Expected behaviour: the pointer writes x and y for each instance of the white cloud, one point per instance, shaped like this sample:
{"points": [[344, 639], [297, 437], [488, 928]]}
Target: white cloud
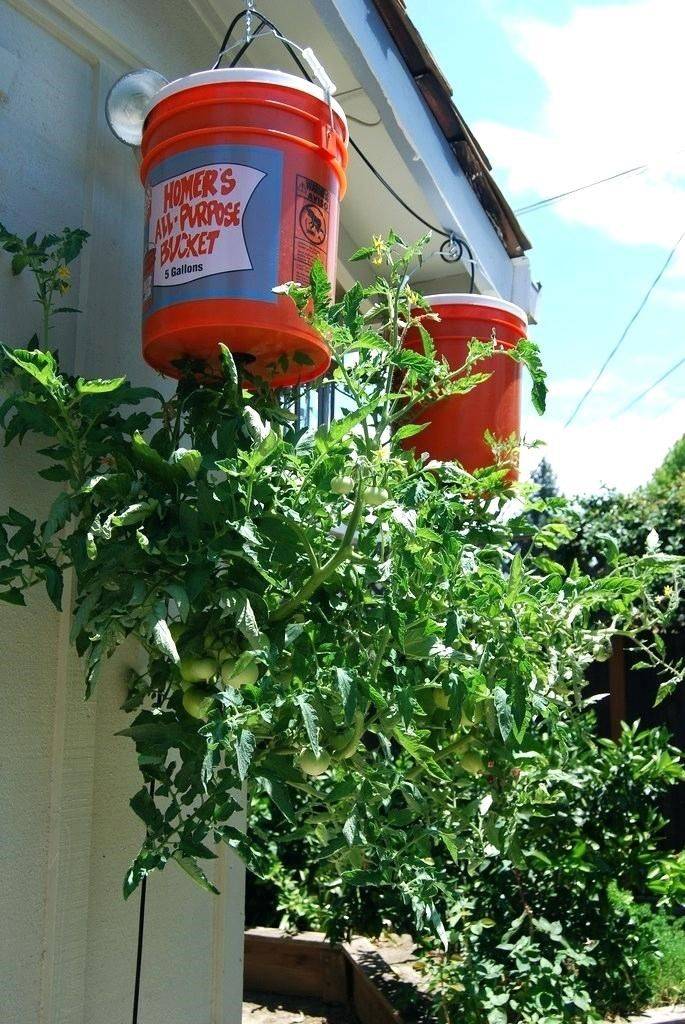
{"points": [[604, 449], [615, 80], [573, 387]]}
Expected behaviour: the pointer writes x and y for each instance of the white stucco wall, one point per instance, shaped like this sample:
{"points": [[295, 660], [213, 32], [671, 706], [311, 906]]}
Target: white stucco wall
{"points": [[68, 941]]}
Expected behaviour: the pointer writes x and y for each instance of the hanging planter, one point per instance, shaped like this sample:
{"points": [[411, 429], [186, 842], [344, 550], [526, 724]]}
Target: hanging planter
{"points": [[243, 170], [458, 424]]}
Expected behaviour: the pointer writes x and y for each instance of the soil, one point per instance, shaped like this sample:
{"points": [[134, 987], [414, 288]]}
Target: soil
{"points": [[264, 1008]]}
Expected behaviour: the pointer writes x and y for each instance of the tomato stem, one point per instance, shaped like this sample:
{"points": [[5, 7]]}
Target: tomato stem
{"points": [[319, 577]]}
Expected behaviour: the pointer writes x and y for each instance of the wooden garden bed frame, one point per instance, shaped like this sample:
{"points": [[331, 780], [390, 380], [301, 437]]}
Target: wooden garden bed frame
{"points": [[354, 974]]}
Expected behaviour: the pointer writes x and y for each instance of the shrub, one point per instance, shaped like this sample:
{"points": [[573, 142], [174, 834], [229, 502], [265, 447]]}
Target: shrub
{"points": [[551, 928], [671, 472], [564, 937]]}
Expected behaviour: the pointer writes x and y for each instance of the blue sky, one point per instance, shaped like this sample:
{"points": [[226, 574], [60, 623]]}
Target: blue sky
{"points": [[560, 93]]}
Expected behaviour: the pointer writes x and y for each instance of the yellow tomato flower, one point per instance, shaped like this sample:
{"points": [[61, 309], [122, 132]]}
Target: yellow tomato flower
{"points": [[377, 258], [63, 279]]}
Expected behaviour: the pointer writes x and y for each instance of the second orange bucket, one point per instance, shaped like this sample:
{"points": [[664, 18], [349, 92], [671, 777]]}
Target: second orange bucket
{"points": [[243, 171], [457, 425]]}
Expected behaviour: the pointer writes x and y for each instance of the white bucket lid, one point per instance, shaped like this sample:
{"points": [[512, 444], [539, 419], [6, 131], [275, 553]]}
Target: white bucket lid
{"points": [[492, 302], [265, 75]]}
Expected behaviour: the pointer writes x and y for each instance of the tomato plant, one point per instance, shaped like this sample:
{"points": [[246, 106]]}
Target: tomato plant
{"points": [[207, 527]]}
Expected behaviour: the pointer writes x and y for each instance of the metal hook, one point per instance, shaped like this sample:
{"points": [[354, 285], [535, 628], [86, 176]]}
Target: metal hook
{"points": [[453, 249]]}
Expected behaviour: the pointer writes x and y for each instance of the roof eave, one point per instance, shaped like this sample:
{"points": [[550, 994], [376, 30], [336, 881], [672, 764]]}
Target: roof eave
{"points": [[437, 94]]}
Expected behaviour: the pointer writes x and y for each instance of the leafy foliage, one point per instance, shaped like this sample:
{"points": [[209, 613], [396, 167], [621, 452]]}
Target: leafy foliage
{"points": [[650, 518], [557, 935], [665, 972], [355, 658], [550, 925]]}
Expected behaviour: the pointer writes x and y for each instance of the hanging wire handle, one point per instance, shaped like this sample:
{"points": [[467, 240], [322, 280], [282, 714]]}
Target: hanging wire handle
{"points": [[267, 28]]}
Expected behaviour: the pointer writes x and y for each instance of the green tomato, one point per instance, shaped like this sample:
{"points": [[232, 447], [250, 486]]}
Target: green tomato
{"points": [[373, 496], [310, 764], [197, 702], [245, 677], [345, 741], [342, 484], [339, 740], [463, 745], [226, 654], [197, 670], [351, 749], [472, 763], [441, 700]]}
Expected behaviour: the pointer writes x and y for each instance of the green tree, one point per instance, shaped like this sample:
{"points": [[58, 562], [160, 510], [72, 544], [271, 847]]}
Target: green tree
{"points": [[544, 477], [671, 472]]}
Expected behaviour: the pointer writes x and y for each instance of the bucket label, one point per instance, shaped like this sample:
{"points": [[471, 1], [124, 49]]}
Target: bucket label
{"points": [[212, 216], [312, 205]]}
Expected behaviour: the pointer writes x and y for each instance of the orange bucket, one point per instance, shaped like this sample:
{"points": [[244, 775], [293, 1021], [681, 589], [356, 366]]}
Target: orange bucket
{"points": [[243, 170], [457, 424]]}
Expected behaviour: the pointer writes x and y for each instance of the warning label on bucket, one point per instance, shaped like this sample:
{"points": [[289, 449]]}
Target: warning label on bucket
{"points": [[196, 223], [311, 227]]}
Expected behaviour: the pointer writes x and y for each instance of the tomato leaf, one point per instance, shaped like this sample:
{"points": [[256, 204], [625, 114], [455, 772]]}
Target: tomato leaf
{"points": [[311, 722], [244, 750], [191, 868]]}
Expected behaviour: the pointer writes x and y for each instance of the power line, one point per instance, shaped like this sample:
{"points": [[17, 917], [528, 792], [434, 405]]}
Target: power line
{"points": [[624, 334], [549, 200], [638, 398], [581, 188]]}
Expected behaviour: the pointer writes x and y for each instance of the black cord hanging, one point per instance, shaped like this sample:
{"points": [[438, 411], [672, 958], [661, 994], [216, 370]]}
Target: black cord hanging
{"points": [[141, 935], [453, 248]]}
